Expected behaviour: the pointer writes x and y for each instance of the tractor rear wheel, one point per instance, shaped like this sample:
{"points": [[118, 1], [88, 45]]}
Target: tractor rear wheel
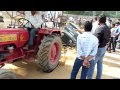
{"points": [[49, 52], [6, 74]]}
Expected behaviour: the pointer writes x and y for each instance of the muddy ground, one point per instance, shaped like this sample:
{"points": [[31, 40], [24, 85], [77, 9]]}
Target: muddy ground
{"points": [[24, 70]]}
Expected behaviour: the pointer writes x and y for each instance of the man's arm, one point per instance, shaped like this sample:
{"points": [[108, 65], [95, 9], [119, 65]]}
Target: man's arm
{"points": [[117, 31], [98, 32], [93, 52], [106, 36], [95, 48], [79, 50]]}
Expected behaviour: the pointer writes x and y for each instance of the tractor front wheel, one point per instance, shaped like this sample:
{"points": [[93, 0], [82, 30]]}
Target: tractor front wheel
{"points": [[49, 52], [6, 74]]}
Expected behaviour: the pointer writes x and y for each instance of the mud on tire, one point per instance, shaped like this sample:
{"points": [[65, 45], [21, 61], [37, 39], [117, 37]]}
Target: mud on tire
{"points": [[44, 52]]}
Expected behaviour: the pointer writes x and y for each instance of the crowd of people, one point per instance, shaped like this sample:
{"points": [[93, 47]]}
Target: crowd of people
{"points": [[52, 16], [101, 35], [114, 41]]}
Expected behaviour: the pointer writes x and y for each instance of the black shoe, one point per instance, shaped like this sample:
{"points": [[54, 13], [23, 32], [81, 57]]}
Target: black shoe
{"points": [[109, 51]]}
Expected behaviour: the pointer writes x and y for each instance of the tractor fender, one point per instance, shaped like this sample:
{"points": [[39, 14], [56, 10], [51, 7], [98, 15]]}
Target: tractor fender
{"points": [[49, 31]]}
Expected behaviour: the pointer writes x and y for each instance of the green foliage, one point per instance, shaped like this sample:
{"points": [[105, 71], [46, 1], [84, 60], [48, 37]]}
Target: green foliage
{"points": [[112, 14]]}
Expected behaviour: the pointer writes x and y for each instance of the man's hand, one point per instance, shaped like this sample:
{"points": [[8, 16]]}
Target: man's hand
{"points": [[86, 63], [32, 26], [82, 57]]}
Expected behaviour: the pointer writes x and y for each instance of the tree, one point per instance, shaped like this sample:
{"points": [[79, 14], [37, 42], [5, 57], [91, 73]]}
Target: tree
{"points": [[112, 14]]}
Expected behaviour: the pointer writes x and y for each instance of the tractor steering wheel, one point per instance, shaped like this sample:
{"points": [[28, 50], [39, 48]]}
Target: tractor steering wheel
{"points": [[23, 22]]}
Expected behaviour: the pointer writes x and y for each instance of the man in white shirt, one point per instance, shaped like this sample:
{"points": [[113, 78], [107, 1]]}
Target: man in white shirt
{"points": [[87, 45], [109, 22], [1, 20], [35, 19], [59, 21], [111, 42], [95, 25], [55, 18]]}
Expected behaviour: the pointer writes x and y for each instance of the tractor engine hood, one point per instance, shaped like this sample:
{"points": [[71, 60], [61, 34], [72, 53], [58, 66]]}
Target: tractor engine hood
{"points": [[16, 36], [10, 29]]}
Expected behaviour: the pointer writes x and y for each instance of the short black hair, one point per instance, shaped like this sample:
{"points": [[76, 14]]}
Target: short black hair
{"points": [[119, 19], [113, 24], [96, 17], [110, 20], [102, 18], [117, 23], [88, 26]]}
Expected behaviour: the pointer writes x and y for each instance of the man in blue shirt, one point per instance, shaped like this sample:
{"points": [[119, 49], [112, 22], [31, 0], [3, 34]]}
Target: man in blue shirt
{"points": [[117, 31], [87, 45]]}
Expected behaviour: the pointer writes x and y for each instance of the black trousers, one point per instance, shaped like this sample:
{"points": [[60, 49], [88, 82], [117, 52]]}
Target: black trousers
{"points": [[111, 44]]}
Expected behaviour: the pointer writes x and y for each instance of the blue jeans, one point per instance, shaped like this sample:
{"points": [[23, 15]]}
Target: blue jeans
{"points": [[99, 60], [77, 66], [32, 36]]}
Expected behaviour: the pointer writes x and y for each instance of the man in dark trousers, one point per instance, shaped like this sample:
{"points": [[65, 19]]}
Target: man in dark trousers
{"points": [[111, 44], [102, 32]]}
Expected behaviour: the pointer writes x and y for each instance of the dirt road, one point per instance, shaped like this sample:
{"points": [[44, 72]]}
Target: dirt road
{"points": [[111, 68]]}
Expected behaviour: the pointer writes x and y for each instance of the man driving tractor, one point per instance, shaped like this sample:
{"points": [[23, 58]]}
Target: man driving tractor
{"points": [[46, 47], [35, 19]]}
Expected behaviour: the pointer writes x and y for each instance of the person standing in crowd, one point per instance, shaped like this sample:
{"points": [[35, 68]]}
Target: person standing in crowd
{"points": [[118, 20], [118, 42], [117, 35], [102, 32], [71, 19], [109, 22], [117, 31], [59, 21], [87, 45], [1, 17], [1, 20], [55, 18], [95, 24], [79, 21], [91, 20], [113, 35]]}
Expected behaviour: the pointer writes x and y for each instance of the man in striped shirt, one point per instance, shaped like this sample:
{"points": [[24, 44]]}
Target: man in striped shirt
{"points": [[87, 45]]}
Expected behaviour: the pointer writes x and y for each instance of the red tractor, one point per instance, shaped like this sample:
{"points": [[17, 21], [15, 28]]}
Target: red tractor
{"points": [[47, 45]]}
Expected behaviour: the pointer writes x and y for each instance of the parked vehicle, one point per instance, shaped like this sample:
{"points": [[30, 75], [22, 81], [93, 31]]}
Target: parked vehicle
{"points": [[70, 33]]}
